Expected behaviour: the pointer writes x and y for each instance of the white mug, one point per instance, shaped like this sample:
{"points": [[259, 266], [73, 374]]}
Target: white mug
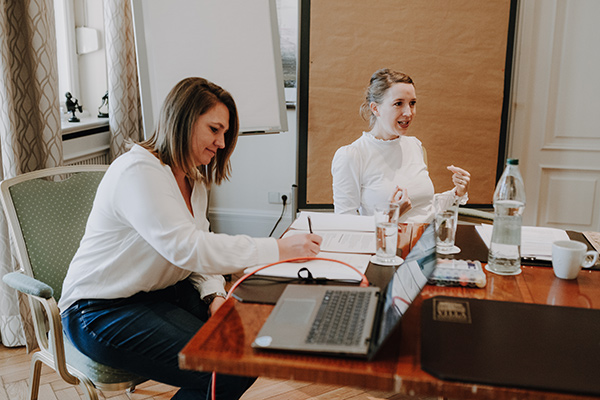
{"points": [[568, 256]]}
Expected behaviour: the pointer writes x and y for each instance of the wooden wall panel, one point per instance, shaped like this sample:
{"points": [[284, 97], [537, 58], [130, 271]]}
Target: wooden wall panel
{"points": [[455, 51]]}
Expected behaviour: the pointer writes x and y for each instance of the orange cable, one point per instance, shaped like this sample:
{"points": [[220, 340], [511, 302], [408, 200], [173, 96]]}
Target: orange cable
{"points": [[364, 282]]}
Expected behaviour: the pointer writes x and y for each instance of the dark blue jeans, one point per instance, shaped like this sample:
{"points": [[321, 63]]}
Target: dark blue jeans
{"points": [[144, 333]]}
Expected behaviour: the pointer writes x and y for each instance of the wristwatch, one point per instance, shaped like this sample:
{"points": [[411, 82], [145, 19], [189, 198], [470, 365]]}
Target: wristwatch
{"points": [[209, 298]]}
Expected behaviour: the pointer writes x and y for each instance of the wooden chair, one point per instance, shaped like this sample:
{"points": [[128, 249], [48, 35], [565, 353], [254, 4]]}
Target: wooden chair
{"points": [[47, 211]]}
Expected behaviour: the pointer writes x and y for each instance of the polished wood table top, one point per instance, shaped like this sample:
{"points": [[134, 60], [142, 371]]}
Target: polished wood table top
{"points": [[224, 343]]}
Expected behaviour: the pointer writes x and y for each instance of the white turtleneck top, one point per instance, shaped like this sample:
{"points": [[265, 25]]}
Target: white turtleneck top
{"points": [[366, 173]]}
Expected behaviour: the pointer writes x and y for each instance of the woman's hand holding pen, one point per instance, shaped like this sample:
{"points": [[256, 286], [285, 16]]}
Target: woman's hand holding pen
{"points": [[400, 196], [301, 245], [461, 179]]}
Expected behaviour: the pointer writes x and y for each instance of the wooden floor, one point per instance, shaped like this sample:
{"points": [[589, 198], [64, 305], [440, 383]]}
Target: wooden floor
{"points": [[14, 381]]}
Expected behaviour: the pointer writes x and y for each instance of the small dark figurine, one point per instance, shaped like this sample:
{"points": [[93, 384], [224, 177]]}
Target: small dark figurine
{"points": [[72, 106], [102, 114]]}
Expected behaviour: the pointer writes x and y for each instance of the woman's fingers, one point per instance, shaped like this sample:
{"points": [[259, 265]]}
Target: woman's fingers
{"points": [[400, 196], [458, 170], [461, 179], [301, 245]]}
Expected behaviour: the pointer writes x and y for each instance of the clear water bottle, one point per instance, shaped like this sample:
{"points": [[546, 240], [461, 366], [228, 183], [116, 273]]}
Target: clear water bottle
{"points": [[504, 257]]}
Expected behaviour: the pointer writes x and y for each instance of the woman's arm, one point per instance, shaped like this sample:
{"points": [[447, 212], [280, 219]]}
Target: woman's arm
{"points": [[147, 198], [345, 170], [207, 284]]}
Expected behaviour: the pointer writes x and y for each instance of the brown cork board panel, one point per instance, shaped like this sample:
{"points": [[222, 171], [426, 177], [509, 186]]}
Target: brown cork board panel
{"points": [[455, 51]]}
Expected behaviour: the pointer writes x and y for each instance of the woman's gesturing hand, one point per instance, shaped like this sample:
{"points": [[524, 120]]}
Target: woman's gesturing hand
{"points": [[461, 179], [301, 245], [400, 196]]}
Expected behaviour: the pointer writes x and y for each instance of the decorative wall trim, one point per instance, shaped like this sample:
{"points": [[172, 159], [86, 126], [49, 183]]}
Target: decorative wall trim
{"points": [[564, 130], [570, 197]]}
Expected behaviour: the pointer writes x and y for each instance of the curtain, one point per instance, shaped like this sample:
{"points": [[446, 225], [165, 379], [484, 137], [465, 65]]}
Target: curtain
{"points": [[125, 112], [30, 133]]}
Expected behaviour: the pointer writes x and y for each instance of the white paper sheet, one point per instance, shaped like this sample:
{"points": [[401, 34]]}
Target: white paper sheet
{"points": [[322, 221], [343, 241], [536, 242], [321, 268]]}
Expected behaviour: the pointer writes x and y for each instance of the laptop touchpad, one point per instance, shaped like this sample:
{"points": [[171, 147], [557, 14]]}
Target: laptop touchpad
{"points": [[295, 311]]}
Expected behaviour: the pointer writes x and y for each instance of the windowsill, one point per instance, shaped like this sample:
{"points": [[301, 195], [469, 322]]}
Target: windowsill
{"points": [[85, 141], [86, 125], [290, 97]]}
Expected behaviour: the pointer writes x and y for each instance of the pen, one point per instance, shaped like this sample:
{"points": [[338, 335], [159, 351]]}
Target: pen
{"points": [[309, 224]]}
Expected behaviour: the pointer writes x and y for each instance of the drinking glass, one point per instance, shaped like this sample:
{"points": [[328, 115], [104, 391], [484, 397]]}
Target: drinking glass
{"points": [[386, 232], [445, 207]]}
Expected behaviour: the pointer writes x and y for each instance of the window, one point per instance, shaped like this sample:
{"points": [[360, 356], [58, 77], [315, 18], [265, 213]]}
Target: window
{"points": [[81, 59]]}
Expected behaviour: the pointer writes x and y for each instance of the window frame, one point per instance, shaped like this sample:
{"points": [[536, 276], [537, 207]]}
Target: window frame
{"points": [[66, 48]]}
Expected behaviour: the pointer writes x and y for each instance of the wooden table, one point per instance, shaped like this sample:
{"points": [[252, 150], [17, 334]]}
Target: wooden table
{"points": [[223, 344]]}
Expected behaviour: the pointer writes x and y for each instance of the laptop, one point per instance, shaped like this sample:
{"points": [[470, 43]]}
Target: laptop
{"points": [[347, 320], [533, 346]]}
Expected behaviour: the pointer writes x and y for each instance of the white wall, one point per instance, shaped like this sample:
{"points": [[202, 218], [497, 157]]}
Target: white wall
{"points": [[267, 163], [554, 120], [260, 164]]}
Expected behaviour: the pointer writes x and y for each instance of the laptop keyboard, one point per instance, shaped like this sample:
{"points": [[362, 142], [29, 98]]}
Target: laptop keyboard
{"points": [[341, 318]]}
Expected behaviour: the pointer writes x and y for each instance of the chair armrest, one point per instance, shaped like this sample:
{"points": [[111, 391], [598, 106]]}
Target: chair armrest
{"points": [[48, 326], [28, 285], [474, 215]]}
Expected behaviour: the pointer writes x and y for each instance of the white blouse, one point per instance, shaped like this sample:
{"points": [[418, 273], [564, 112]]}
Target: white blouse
{"points": [[141, 236]]}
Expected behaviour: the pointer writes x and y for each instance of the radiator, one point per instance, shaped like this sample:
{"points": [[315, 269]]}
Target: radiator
{"points": [[90, 159], [86, 150]]}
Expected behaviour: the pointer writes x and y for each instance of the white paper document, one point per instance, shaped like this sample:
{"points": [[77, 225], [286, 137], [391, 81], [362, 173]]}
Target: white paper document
{"points": [[321, 268], [536, 242], [343, 241], [325, 221]]}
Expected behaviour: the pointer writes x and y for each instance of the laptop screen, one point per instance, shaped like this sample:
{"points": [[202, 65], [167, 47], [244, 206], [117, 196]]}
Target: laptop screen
{"points": [[407, 282]]}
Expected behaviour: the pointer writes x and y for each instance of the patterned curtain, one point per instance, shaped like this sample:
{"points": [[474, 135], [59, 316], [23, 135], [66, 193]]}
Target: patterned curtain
{"points": [[30, 134], [125, 112]]}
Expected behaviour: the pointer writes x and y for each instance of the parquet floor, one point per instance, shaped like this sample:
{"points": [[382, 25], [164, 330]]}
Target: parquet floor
{"points": [[14, 381]]}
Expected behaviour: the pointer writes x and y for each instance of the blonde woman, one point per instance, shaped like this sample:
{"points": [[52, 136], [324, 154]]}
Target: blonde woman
{"points": [[385, 164]]}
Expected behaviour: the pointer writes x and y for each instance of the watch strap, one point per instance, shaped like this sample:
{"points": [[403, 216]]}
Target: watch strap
{"points": [[209, 298]]}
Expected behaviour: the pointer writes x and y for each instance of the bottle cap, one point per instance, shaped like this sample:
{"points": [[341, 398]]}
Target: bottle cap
{"points": [[512, 161]]}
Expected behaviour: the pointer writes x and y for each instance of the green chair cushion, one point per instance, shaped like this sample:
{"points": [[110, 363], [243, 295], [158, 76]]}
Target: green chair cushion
{"points": [[52, 216], [95, 371]]}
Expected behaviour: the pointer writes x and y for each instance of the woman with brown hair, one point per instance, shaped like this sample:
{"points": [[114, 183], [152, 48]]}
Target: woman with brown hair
{"points": [[148, 273]]}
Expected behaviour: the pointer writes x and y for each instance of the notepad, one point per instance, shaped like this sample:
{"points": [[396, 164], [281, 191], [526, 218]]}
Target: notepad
{"points": [[322, 221], [342, 241], [536, 242], [321, 268]]}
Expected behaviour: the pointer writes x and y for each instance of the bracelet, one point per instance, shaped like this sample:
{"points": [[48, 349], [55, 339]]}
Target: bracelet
{"points": [[209, 298]]}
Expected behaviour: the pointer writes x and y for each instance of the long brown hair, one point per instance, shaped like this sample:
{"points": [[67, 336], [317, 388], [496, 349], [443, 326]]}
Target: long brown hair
{"points": [[380, 82], [172, 138]]}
